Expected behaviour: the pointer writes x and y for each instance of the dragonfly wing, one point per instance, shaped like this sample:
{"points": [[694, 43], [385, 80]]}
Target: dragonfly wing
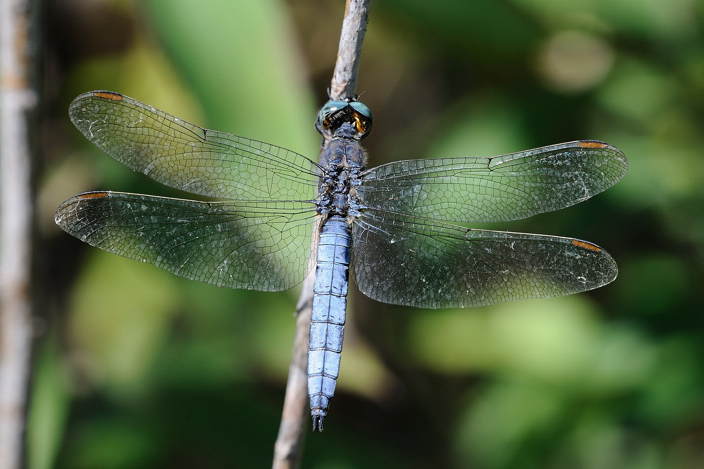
{"points": [[187, 157], [404, 260], [256, 246], [500, 188]]}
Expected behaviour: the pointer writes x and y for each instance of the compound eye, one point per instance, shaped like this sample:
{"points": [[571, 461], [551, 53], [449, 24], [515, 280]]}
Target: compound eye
{"points": [[329, 108], [362, 109]]}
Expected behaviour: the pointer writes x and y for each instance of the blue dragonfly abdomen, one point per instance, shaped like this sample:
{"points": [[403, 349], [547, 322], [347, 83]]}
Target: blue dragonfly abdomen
{"points": [[328, 315]]}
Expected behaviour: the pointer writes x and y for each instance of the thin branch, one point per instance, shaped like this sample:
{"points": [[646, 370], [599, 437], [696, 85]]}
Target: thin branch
{"points": [[288, 449], [354, 26], [16, 208], [289, 443]]}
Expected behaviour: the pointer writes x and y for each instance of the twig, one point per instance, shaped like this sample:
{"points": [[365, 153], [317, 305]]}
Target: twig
{"points": [[16, 206], [289, 443], [354, 26]]}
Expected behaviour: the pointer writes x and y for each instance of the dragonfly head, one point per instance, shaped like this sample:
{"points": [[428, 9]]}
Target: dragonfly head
{"points": [[336, 113]]}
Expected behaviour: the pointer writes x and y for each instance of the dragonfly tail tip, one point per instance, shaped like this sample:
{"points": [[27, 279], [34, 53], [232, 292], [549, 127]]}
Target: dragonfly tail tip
{"points": [[318, 423]]}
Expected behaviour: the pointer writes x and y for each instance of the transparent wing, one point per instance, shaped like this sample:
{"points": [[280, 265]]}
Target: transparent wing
{"points": [[256, 246], [500, 188], [417, 262], [187, 157]]}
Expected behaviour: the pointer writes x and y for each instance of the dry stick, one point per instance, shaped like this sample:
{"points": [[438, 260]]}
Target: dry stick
{"points": [[289, 443], [16, 100], [344, 79]]}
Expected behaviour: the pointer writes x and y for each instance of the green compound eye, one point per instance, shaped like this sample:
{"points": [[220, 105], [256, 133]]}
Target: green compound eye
{"points": [[362, 109], [329, 108]]}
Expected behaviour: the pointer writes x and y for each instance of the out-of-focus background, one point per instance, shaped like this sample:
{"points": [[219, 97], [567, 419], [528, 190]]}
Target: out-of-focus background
{"points": [[137, 368]]}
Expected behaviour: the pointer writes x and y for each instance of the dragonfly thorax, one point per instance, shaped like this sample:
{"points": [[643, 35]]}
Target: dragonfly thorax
{"points": [[337, 192], [342, 161]]}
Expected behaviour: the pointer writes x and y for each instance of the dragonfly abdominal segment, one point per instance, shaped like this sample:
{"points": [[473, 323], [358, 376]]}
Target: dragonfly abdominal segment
{"points": [[388, 228]]}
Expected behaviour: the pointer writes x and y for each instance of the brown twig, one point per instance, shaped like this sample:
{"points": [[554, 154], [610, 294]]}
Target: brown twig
{"points": [[354, 26], [16, 208], [289, 443]]}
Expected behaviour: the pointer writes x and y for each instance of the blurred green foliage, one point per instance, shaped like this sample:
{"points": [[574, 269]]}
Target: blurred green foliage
{"points": [[141, 369]]}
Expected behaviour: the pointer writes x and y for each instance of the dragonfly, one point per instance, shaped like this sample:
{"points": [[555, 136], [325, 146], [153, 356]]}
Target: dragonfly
{"points": [[274, 216]]}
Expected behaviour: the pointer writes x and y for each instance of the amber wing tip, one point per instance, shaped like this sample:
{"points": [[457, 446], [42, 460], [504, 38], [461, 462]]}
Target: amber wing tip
{"points": [[586, 245], [593, 144], [111, 95], [92, 195]]}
